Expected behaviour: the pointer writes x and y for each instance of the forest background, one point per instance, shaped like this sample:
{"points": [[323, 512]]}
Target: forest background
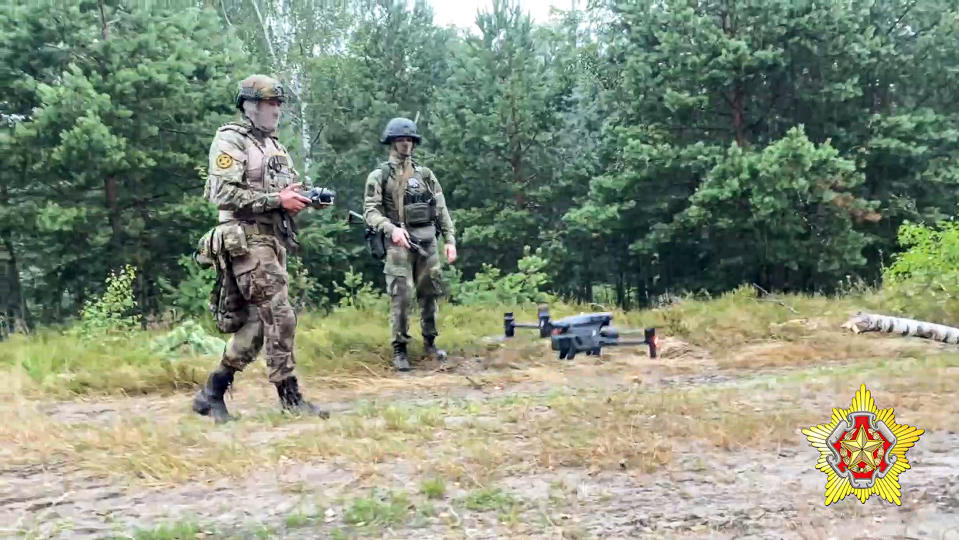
{"points": [[621, 154]]}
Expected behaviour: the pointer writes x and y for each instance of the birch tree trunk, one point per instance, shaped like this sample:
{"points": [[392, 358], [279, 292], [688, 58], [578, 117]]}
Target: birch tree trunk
{"points": [[290, 70], [868, 322]]}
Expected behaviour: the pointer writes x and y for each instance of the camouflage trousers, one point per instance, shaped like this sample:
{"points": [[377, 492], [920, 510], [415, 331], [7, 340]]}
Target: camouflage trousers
{"points": [[407, 271], [271, 322]]}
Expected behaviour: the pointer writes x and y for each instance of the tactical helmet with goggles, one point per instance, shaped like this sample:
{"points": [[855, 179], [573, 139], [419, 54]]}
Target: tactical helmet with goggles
{"points": [[259, 87]]}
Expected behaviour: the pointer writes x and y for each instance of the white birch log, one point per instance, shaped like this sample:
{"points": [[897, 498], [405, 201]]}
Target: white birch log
{"points": [[868, 322]]}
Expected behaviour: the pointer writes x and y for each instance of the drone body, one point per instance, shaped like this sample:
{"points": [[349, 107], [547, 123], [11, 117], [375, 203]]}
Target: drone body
{"points": [[587, 333]]}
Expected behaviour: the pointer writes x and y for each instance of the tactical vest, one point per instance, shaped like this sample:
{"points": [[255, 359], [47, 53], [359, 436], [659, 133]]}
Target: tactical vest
{"points": [[268, 170], [417, 206]]}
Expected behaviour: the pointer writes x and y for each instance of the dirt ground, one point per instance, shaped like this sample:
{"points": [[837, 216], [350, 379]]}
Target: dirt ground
{"points": [[765, 486]]}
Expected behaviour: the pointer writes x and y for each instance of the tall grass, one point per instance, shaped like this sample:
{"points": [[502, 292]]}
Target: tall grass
{"points": [[349, 341], [356, 341]]}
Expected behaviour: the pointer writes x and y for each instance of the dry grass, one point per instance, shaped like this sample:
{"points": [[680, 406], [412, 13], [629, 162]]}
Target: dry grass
{"points": [[635, 428], [344, 350], [520, 413], [349, 349], [742, 316], [821, 348]]}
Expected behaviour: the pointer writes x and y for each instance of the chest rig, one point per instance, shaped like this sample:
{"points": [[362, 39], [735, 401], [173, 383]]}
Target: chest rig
{"points": [[267, 166], [415, 206], [268, 170]]}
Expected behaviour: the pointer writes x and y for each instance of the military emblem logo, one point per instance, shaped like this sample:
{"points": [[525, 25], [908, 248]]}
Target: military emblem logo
{"points": [[414, 183], [862, 451], [224, 161]]}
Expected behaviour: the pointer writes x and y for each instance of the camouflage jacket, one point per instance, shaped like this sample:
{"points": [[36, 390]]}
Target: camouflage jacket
{"points": [[383, 201], [246, 174]]}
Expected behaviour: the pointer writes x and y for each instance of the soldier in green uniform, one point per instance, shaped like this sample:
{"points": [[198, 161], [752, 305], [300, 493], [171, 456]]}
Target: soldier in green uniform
{"points": [[404, 200], [254, 186]]}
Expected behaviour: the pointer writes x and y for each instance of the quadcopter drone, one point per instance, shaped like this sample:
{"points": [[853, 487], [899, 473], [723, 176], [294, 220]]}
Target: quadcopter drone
{"points": [[588, 332]]}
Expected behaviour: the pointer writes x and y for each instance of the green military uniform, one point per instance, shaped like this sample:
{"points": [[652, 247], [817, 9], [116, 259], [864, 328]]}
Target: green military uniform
{"points": [[247, 170], [403, 193], [245, 176]]}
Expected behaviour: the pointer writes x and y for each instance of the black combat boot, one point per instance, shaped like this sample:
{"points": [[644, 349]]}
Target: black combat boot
{"points": [[292, 400], [209, 400], [399, 357], [430, 349]]}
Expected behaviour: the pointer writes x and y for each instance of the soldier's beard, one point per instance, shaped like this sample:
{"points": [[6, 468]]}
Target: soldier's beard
{"points": [[264, 119]]}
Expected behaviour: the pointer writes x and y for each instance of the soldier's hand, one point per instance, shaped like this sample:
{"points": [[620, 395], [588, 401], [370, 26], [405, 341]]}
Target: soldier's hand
{"points": [[292, 201], [401, 237], [450, 253]]}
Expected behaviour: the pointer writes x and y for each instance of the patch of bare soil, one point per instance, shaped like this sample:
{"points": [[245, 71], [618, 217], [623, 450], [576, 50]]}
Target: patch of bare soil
{"points": [[703, 492]]}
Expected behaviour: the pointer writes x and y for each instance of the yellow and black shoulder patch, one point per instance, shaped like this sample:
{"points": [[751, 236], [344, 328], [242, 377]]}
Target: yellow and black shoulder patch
{"points": [[224, 160]]}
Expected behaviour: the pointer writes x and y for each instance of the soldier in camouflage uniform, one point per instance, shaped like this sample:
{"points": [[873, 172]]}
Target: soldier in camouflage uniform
{"points": [[254, 186], [403, 199]]}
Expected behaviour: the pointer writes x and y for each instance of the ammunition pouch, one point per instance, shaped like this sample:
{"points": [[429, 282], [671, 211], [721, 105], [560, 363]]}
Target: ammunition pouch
{"points": [[234, 239], [419, 213], [419, 209]]}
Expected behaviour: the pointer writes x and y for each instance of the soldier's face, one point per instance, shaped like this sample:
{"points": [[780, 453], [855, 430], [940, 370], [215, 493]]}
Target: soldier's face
{"points": [[270, 113], [264, 114], [403, 146]]}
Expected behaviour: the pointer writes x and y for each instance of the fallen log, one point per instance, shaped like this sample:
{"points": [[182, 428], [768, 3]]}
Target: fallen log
{"points": [[869, 322]]}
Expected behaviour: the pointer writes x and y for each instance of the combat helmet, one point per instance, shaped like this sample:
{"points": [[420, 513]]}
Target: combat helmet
{"points": [[257, 87], [400, 127]]}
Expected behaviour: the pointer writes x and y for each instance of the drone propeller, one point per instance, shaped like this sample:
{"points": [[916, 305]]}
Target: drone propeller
{"points": [[544, 325]]}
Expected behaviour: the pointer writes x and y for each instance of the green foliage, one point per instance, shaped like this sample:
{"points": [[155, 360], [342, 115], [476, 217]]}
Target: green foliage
{"points": [[491, 499], [302, 286], [497, 124], [188, 338], [646, 147], [434, 488], [185, 530], [378, 509], [113, 312], [191, 295], [108, 125], [923, 280], [784, 216], [358, 293], [490, 286]]}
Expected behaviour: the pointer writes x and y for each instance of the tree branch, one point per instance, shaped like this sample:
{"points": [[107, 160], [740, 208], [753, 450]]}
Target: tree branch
{"points": [[103, 21], [266, 32], [904, 13], [225, 16]]}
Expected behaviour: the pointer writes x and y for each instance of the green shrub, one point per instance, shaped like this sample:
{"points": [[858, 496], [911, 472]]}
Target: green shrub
{"points": [[923, 280], [490, 287], [114, 312]]}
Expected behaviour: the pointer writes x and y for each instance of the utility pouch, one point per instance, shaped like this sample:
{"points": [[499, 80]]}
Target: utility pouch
{"points": [[226, 302], [419, 213], [376, 242], [206, 252], [234, 239]]}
